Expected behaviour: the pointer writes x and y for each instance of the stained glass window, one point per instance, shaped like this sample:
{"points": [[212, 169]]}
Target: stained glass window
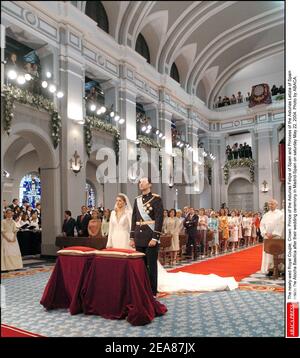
{"points": [[30, 189], [90, 195]]}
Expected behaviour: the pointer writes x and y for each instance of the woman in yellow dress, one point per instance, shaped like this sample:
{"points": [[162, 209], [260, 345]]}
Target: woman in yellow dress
{"points": [[11, 258], [224, 227]]}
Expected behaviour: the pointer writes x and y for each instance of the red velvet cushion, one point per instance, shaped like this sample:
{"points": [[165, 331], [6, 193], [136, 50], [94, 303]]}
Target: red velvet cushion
{"points": [[127, 251], [120, 253], [77, 250], [80, 248]]}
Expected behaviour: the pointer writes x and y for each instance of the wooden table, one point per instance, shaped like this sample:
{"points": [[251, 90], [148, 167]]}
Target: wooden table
{"points": [[66, 241]]}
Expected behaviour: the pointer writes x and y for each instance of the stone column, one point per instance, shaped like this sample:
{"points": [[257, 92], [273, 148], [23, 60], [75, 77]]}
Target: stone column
{"points": [[152, 112], [264, 161], [72, 78], [111, 99], [256, 187], [196, 186], [168, 192], [128, 163], [217, 172], [276, 184]]}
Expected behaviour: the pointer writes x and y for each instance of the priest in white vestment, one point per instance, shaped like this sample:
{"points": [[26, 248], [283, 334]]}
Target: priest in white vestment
{"points": [[271, 227]]}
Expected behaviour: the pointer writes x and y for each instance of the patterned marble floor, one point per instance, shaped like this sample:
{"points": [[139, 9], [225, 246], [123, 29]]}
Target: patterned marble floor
{"points": [[218, 314]]}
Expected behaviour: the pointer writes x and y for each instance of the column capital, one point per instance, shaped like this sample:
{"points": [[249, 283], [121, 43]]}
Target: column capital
{"points": [[111, 83]]}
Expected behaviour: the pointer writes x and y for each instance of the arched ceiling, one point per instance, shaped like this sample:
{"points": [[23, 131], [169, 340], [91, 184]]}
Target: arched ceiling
{"points": [[210, 41]]}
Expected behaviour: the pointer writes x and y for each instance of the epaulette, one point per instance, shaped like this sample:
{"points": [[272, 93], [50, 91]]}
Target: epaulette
{"points": [[156, 195], [139, 196]]}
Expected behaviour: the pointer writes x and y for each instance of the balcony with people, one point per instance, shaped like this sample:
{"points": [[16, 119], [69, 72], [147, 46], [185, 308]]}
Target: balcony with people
{"points": [[277, 93]]}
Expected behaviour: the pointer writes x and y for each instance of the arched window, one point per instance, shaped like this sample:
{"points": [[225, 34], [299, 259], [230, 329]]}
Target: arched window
{"points": [[90, 195], [95, 10], [142, 48], [30, 189], [174, 73]]}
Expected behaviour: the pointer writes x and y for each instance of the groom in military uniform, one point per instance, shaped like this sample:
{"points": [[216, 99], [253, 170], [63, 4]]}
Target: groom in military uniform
{"points": [[146, 226]]}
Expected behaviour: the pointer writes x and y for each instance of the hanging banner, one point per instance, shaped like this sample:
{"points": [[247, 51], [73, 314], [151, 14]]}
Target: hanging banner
{"points": [[260, 95]]}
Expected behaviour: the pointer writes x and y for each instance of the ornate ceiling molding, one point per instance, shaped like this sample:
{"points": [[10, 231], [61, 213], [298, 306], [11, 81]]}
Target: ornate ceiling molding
{"points": [[240, 63], [228, 39]]}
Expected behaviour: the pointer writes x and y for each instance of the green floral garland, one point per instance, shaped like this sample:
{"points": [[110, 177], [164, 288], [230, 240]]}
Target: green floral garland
{"points": [[98, 124], [208, 165], [12, 94], [87, 129], [236, 163], [148, 141]]}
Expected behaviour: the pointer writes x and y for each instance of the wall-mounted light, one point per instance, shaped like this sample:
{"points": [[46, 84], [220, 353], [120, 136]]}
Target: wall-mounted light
{"points": [[5, 174], [75, 163], [264, 187]]}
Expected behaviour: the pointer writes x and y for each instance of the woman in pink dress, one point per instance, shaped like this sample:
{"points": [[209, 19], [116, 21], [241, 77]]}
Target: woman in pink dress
{"points": [[94, 226]]}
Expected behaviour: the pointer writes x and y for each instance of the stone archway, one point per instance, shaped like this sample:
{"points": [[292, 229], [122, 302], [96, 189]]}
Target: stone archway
{"points": [[240, 194], [28, 138]]}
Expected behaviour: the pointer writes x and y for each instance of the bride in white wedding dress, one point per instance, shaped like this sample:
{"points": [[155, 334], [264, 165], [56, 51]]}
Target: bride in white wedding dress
{"points": [[120, 223], [118, 237]]}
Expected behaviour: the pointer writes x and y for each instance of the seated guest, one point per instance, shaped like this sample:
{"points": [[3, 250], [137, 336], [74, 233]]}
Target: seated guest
{"points": [[105, 222], [239, 97], [34, 221], [82, 222], [233, 99], [94, 225], [10, 251], [69, 224]]}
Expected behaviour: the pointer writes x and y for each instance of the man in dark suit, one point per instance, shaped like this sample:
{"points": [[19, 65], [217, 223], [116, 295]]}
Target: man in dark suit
{"points": [[146, 227], [14, 205], [190, 223], [82, 222], [69, 224]]}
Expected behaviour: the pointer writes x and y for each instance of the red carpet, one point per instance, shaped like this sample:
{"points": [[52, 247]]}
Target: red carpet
{"points": [[8, 331], [239, 265]]}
